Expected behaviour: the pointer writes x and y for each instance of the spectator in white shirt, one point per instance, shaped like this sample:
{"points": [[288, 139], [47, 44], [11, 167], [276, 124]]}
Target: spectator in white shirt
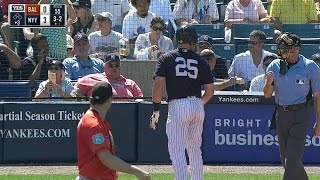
{"points": [[118, 8], [248, 65], [137, 21], [151, 45], [195, 11], [105, 40], [258, 82]]}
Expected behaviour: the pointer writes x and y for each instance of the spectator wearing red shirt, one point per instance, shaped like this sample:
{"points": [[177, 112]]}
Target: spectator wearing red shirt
{"points": [[123, 88], [96, 149]]}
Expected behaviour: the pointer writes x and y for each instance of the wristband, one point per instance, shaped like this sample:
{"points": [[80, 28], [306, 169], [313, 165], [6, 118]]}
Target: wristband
{"points": [[156, 106]]}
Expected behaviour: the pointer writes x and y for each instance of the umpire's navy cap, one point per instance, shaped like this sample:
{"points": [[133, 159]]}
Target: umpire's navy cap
{"points": [[101, 92]]}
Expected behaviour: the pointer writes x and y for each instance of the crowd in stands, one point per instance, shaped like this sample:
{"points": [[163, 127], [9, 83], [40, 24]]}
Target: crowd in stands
{"points": [[87, 50]]}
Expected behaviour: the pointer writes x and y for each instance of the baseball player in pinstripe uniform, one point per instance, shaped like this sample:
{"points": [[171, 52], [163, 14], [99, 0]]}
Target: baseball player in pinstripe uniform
{"points": [[184, 72]]}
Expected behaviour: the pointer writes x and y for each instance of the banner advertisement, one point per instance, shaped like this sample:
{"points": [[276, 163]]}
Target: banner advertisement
{"points": [[152, 144], [40, 132], [235, 133], [46, 132]]}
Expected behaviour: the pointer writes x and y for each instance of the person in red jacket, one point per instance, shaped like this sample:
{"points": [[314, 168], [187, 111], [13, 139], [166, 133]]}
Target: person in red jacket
{"points": [[96, 149]]}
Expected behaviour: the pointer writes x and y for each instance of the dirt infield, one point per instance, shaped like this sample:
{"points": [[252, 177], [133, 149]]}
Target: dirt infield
{"points": [[4, 170]]}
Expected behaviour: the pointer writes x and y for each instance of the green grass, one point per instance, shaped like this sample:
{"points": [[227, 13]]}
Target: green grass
{"points": [[208, 176]]}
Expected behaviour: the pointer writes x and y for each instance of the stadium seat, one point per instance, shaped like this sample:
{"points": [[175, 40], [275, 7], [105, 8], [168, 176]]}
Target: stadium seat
{"points": [[241, 48], [117, 28], [309, 33], [226, 51], [307, 50], [15, 89], [271, 48], [240, 32], [216, 31], [268, 47]]}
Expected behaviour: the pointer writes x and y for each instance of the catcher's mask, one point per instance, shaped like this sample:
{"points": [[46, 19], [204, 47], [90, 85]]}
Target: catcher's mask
{"points": [[285, 43]]}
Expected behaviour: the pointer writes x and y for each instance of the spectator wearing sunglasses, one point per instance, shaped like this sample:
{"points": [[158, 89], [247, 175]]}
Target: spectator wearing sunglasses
{"points": [[124, 89], [56, 85], [81, 64], [258, 82], [248, 65], [151, 45]]}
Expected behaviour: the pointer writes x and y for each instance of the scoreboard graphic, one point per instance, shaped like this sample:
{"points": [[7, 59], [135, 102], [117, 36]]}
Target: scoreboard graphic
{"points": [[37, 15]]}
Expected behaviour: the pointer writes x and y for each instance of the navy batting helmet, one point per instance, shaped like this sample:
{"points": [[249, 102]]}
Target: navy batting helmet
{"points": [[186, 34]]}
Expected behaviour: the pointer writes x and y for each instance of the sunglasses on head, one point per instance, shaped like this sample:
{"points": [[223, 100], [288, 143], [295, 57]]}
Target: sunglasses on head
{"points": [[157, 28], [54, 68], [114, 66]]}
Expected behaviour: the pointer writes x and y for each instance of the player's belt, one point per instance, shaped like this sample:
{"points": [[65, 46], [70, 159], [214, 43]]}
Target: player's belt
{"points": [[293, 107]]}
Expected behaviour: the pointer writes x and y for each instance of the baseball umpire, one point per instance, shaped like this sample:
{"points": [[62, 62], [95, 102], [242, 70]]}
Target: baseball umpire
{"points": [[184, 72], [291, 78], [96, 149]]}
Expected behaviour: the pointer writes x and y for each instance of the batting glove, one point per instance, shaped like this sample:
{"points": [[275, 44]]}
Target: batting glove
{"points": [[154, 119]]}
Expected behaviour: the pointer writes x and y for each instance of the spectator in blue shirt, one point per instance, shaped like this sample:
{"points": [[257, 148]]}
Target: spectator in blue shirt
{"points": [[82, 65], [56, 85]]}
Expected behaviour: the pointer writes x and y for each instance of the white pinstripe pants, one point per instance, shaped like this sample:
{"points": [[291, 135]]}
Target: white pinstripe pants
{"points": [[184, 130]]}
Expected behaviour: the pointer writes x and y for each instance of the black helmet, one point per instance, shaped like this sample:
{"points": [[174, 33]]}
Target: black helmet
{"points": [[186, 34], [288, 39], [285, 42]]}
